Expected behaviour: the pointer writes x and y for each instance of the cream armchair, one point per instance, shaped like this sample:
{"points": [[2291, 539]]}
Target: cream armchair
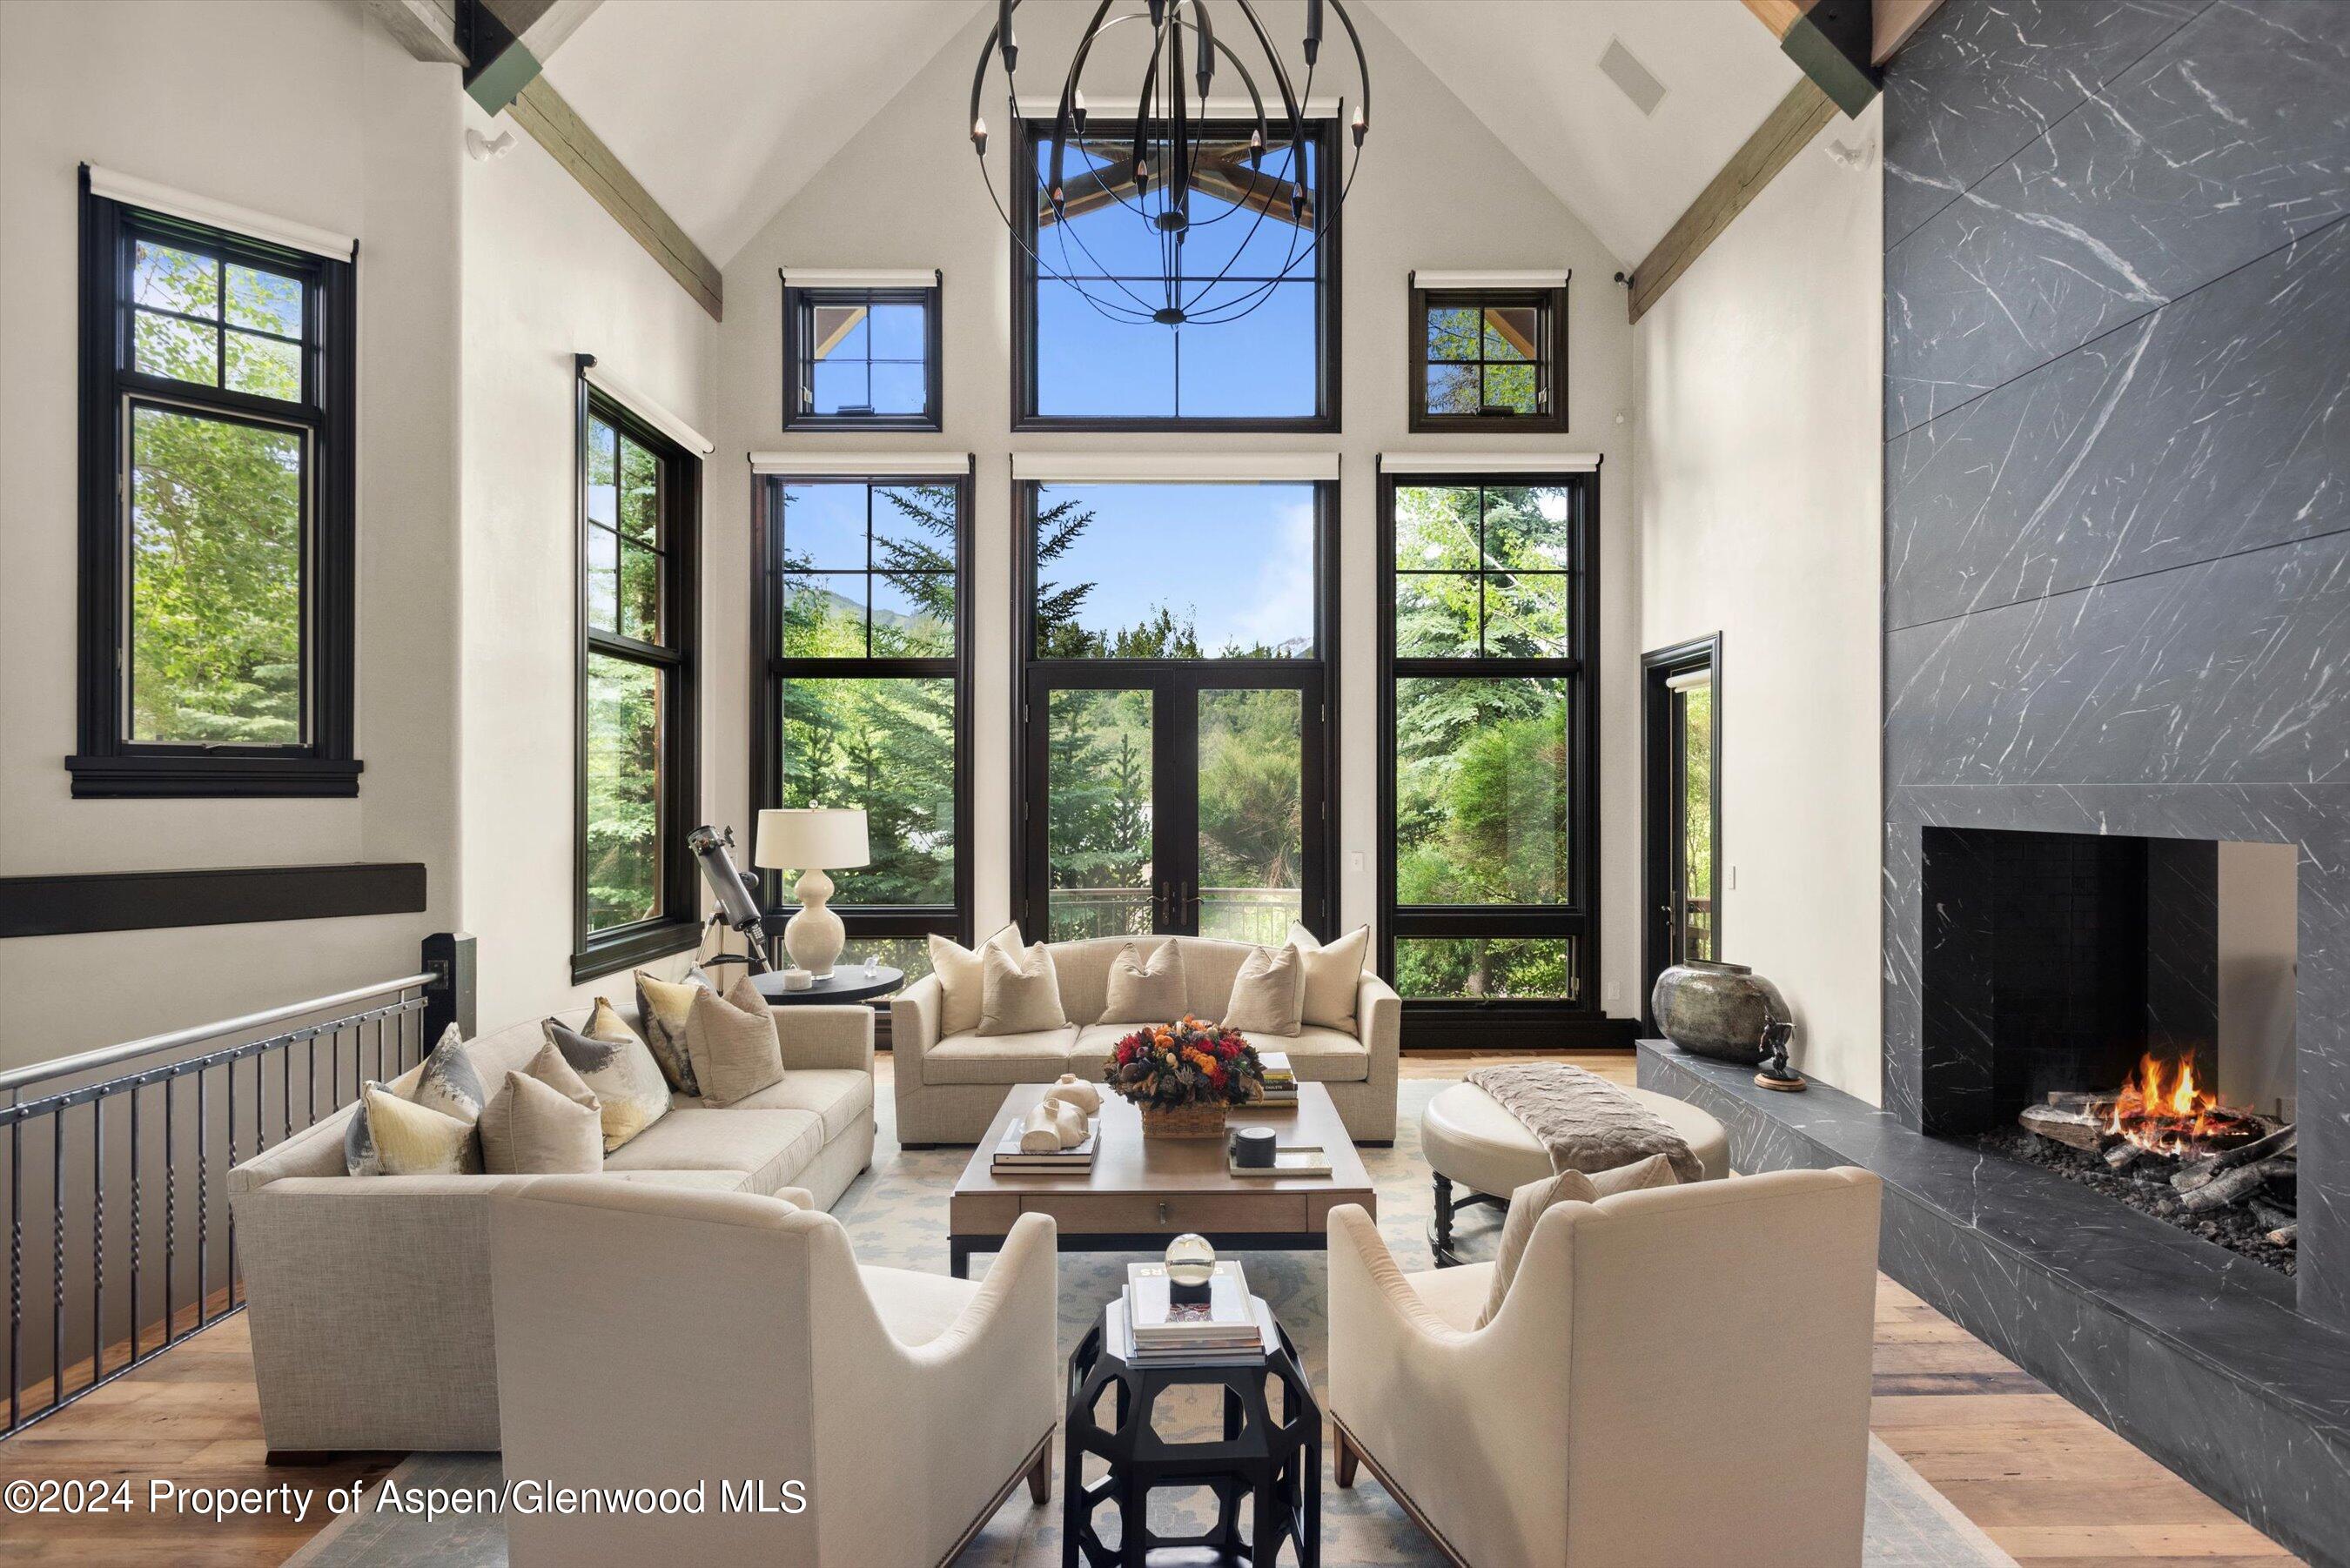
{"points": [[1679, 1378], [656, 1338]]}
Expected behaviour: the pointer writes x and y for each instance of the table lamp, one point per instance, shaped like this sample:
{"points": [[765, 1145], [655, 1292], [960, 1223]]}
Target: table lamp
{"points": [[813, 841]]}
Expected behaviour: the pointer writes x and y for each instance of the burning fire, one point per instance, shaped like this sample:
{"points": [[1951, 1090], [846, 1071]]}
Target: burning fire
{"points": [[2162, 1109]]}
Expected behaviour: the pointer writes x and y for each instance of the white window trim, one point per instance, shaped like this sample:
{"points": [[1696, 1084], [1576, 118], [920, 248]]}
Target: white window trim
{"points": [[864, 464], [861, 277], [132, 192], [1531, 461], [1173, 467], [644, 407], [1427, 279]]}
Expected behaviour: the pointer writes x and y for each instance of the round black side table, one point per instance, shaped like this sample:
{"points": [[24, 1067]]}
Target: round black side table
{"points": [[847, 984], [1276, 1461]]}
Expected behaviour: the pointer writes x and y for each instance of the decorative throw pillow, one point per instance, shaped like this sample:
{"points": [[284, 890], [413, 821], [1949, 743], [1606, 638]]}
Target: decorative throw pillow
{"points": [[1143, 992], [1267, 993], [621, 1074], [543, 1121], [360, 1156], [1020, 992], [664, 1004], [449, 1082], [961, 979], [415, 1140], [735, 1049], [1332, 975], [1528, 1204]]}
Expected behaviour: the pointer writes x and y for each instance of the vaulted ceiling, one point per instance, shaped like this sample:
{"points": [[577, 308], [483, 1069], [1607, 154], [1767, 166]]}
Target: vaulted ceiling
{"points": [[723, 109]]}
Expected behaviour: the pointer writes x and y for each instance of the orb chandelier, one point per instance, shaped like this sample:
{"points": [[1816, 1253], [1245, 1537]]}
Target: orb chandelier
{"points": [[1198, 194]]}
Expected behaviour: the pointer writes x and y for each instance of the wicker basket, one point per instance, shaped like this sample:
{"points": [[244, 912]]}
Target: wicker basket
{"points": [[1202, 1120]]}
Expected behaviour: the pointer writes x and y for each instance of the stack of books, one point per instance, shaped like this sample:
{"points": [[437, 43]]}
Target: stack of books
{"points": [[1280, 1079], [1147, 1327], [1009, 1156]]}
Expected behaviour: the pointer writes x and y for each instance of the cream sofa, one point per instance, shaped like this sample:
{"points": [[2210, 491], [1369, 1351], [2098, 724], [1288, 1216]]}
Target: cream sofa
{"points": [[1678, 1378], [749, 1342], [950, 1090], [369, 1297]]}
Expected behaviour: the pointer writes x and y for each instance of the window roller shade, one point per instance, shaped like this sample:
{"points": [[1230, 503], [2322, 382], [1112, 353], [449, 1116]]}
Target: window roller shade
{"points": [[146, 195]]}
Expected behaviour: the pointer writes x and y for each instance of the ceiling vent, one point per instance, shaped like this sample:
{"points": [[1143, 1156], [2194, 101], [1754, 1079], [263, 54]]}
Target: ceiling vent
{"points": [[1643, 88]]}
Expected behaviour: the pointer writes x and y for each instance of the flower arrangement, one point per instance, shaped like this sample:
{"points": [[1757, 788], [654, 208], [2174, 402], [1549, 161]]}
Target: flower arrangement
{"points": [[1185, 1075]]}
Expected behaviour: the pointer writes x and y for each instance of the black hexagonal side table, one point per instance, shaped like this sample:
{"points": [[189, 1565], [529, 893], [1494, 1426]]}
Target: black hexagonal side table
{"points": [[1276, 1461]]}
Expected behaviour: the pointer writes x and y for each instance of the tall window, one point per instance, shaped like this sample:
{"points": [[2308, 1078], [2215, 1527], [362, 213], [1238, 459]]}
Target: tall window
{"points": [[866, 691], [864, 357], [1174, 769], [639, 525], [218, 384], [1488, 359], [1078, 367], [1489, 732]]}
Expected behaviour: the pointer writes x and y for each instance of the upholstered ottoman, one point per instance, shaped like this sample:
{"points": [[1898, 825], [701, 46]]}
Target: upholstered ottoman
{"points": [[1468, 1139]]}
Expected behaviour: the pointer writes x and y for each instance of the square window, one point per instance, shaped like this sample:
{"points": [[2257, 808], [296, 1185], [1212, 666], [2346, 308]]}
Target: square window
{"points": [[1489, 358], [1256, 347], [861, 357]]}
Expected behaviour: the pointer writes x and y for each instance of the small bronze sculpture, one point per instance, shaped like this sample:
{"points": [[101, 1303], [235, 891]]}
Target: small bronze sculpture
{"points": [[1773, 1073]]}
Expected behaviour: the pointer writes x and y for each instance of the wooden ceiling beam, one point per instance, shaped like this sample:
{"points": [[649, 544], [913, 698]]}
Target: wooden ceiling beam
{"points": [[1788, 129], [427, 29], [510, 42], [553, 125]]}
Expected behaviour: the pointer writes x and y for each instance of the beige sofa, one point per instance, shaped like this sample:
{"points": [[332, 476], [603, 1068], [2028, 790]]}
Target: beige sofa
{"points": [[369, 1297], [950, 1090], [750, 1343], [1678, 1378]]}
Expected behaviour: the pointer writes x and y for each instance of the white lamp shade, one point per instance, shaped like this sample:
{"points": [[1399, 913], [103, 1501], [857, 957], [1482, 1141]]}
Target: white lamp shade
{"points": [[826, 838]]}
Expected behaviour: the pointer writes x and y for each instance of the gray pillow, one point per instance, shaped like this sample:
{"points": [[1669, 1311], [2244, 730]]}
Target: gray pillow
{"points": [[1142, 992], [449, 1081], [622, 1075], [664, 1006], [1020, 992], [736, 1051], [360, 1156], [1269, 992]]}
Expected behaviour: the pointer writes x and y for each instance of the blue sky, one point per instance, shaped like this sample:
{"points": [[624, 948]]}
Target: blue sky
{"points": [[1237, 558]]}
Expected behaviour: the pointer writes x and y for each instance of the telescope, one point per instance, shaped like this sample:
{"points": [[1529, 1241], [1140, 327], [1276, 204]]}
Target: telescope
{"points": [[737, 893]]}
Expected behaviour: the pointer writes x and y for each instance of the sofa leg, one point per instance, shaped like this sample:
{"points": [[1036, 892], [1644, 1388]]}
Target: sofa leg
{"points": [[1040, 1477], [1343, 1458], [1440, 1235]]}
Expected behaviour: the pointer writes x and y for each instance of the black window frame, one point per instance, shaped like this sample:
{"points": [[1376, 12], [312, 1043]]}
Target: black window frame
{"points": [[1322, 131], [677, 924], [1511, 1023], [771, 669], [1551, 373], [106, 763], [1317, 679], [799, 305]]}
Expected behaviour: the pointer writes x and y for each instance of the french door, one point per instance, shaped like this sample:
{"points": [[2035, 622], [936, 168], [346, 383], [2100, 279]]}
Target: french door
{"points": [[1174, 799], [1681, 816]]}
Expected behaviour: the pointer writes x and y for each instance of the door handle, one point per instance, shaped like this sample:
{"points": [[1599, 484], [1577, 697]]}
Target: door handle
{"points": [[1163, 1219]]}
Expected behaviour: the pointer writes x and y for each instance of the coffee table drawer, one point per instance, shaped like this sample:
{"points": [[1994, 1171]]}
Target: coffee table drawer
{"points": [[1121, 1213]]}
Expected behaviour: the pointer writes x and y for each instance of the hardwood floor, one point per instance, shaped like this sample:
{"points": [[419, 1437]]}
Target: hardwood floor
{"points": [[2045, 1481]]}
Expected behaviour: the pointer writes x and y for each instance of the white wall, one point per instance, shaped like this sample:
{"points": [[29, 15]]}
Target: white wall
{"points": [[300, 110], [1757, 495], [1436, 190], [548, 276]]}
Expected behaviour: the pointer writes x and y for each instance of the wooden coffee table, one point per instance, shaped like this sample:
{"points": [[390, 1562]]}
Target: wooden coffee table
{"points": [[1142, 1193]]}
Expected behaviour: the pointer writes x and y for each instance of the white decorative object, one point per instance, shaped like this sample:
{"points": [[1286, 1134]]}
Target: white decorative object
{"points": [[1037, 1133], [813, 841], [796, 979], [1075, 1091]]}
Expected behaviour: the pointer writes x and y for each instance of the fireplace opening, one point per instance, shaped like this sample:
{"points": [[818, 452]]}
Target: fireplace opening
{"points": [[2119, 1010]]}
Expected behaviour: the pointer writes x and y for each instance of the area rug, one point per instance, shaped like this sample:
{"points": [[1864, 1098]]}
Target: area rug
{"points": [[896, 1214]]}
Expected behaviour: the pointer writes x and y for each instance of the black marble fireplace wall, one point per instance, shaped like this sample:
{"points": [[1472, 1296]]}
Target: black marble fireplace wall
{"points": [[2056, 961], [2117, 475]]}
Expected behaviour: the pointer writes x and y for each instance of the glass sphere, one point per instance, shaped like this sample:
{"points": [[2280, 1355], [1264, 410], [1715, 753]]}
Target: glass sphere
{"points": [[1190, 1259]]}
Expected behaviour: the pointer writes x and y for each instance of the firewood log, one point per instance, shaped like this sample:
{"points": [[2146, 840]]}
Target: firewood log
{"points": [[2285, 1235], [2231, 1186], [2194, 1173], [2074, 1129]]}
